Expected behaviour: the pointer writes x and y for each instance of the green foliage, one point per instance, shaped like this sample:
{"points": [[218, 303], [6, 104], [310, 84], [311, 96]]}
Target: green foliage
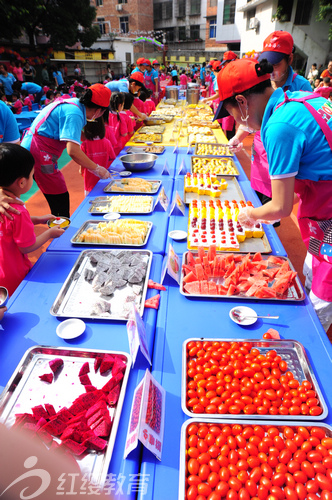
{"points": [[325, 14], [66, 22]]}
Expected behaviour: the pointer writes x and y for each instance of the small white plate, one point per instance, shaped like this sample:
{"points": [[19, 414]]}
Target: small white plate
{"points": [[245, 311], [125, 173], [177, 234], [149, 143], [112, 216], [70, 328]]}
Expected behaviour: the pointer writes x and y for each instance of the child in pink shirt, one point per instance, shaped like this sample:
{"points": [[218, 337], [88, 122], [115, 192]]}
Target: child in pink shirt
{"points": [[149, 105], [26, 99], [183, 80], [325, 89], [16, 104], [116, 122], [17, 235], [98, 149]]}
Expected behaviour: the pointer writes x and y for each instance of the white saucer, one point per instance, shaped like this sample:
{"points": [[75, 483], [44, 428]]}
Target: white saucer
{"points": [[177, 234], [125, 173], [149, 143], [111, 216], [244, 310], [70, 328]]}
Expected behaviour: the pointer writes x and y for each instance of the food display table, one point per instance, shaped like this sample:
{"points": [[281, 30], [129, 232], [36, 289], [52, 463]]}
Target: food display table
{"points": [[156, 171], [182, 318], [28, 323], [159, 218]]}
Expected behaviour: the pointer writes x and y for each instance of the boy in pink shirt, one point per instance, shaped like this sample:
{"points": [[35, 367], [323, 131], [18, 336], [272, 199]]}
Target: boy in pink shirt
{"points": [[26, 99], [17, 235], [16, 104], [325, 89]]}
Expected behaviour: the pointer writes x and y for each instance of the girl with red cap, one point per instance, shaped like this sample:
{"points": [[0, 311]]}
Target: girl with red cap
{"points": [[58, 126]]}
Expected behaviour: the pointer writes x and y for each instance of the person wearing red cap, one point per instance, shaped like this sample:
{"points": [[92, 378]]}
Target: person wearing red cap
{"points": [[278, 51], [296, 132], [151, 81], [132, 85], [141, 65], [58, 126]]}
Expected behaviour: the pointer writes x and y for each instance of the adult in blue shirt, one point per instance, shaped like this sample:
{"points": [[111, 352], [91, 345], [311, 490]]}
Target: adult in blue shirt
{"points": [[141, 65], [57, 75], [202, 74], [7, 80], [174, 75], [58, 126], [132, 86], [296, 130], [151, 81], [31, 88]]}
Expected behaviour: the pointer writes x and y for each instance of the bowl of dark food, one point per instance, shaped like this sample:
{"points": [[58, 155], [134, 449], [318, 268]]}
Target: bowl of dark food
{"points": [[138, 162], [3, 296]]}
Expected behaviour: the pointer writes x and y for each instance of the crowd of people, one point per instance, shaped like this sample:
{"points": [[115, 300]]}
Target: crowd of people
{"points": [[94, 122]]}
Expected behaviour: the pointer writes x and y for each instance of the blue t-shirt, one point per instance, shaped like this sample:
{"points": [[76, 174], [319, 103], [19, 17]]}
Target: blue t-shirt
{"points": [[215, 85], [118, 86], [135, 70], [174, 72], [298, 83], [58, 76], [153, 73], [31, 87], [8, 126], [64, 123], [7, 82], [294, 143], [202, 73]]}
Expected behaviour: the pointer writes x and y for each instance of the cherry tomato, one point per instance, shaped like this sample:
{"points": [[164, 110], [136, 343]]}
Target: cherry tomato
{"points": [[234, 483], [232, 495], [213, 479], [194, 480], [312, 486], [193, 466], [326, 495], [203, 458], [224, 474], [290, 493], [251, 487], [308, 469], [244, 494], [314, 456], [277, 492], [324, 482], [300, 477], [262, 492], [204, 489], [301, 491], [222, 488], [192, 493], [318, 432], [256, 474]]}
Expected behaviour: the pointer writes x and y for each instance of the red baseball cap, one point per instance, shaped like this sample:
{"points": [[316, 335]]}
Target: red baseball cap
{"points": [[156, 62], [276, 46], [215, 65], [140, 61], [147, 62], [138, 77], [101, 95], [229, 56], [238, 76]]}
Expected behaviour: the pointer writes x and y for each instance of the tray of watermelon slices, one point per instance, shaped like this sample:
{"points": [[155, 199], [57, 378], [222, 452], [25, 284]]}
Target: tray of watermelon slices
{"points": [[243, 276], [71, 400]]}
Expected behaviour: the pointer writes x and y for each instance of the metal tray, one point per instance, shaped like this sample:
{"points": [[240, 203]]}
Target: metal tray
{"points": [[77, 297], [103, 205], [295, 292], [139, 138], [233, 192], [291, 351], [219, 144], [141, 149], [216, 158], [183, 441], [25, 390], [155, 187], [94, 223], [148, 129]]}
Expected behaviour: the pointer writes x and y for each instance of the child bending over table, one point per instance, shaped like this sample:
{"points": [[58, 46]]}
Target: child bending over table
{"points": [[17, 235]]}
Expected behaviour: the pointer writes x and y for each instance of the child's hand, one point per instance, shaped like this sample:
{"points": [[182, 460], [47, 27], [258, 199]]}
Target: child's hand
{"points": [[55, 232]]}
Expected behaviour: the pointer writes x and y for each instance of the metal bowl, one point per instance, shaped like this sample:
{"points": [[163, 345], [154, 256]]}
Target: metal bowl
{"points": [[138, 162]]}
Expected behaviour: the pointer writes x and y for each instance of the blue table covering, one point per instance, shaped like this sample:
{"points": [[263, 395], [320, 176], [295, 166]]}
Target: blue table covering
{"points": [[159, 218], [181, 222], [182, 318], [28, 323]]}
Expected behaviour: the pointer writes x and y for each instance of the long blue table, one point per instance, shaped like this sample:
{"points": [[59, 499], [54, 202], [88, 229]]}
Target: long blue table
{"points": [[156, 170], [181, 222], [159, 218], [182, 318], [28, 323]]}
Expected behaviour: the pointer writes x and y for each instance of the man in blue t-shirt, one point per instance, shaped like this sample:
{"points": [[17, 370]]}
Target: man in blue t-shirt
{"points": [[30, 88], [202, 74], [8, 126], [7, 80]]}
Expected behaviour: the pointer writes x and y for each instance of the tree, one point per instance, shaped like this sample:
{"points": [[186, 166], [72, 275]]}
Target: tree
{"points": [[65, 22], [325, 14]]}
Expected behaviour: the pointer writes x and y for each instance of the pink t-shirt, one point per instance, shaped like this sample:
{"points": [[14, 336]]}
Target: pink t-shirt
{"points": [[183, 80], [18, 107], [323, 91], [28, 103], [99, 151], [18, 72], [149, 106], [19, 232]]}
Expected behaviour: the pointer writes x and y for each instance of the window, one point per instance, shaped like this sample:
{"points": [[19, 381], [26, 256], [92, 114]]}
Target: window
{"points": [[182, 8], [122, 1], [157, 11], [213, 3], [182, 33], [229, 12], [102, 26], [303, 12], [213, 27], [168, 10], [250, 14], [195, 7], [286, 7], [124, 24], [195, 32], [99, 3], [169, 34]]}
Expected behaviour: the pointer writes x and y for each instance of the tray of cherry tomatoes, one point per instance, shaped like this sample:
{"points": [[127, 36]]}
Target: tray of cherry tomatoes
{"points": [[260, 379], [255, 460]]}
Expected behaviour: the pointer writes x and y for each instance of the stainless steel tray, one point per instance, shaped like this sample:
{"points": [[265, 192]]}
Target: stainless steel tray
{"points": [[275, 423], [295, 292], [76, 299], [138, 138], [227, 153], [216, 158], [93, 224], [141, 149], [103, 205], [25, 390], [291, 351], [233, 192], [117, 183], [152, 129]]}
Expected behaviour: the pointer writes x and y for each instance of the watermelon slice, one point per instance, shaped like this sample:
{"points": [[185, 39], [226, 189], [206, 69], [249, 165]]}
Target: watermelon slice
{"points": [[213, 289], [85, 368], [284, 269], [200, 272], [212, 252], [192, 288], [265, 293], [187, 269], [201, 253], [204, 287], [95, 443], [190, 277], [243, 286], [106, 363], [231, 290], [75, 448], [190, 259], [222, 290], [275, 260], [254, 287], [56, 364], [244, 276], [156, 286], [257, 257], [85, 380], [153, 302], [47, 377], [230, 268], [271, 272]]}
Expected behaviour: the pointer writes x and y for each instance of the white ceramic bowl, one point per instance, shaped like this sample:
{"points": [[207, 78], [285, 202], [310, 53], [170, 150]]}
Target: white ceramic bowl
{"points": [[112, 216], [70, 328], [177, 235], [245, 311]]}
